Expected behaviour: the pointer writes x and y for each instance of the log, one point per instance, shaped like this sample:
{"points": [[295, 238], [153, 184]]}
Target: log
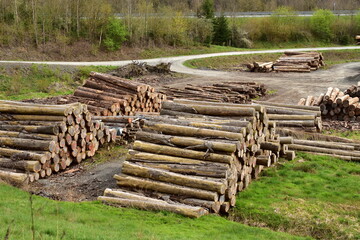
{"points": [[135, 182], [323, 150], [16, 117], [263, 160], [28, 144], [28, 136], [290, 117], [175, 178], [54, 130], [18, 178], [21, 154], [289, 155], [191, 131], [209, 110], [120, 193], [185, 210], [178, 152], [32, 166], [187, 142], [291, 106], [331, 145]]}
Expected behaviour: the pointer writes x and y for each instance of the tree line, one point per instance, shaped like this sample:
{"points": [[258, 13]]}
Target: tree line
{"points": [[38, 22]]}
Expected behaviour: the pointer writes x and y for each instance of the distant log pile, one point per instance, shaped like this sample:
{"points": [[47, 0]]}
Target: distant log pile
{"points": [[335, 104], [232, 92], [37, 140], [291, 62], [196, 156], [107, 95], [307, 118], [357, 38], [324, 145]]}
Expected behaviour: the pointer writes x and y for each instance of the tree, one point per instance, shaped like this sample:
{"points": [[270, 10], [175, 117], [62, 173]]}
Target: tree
{"points": [[320, 24], [207, 9], [114, 35], [222, 33]]}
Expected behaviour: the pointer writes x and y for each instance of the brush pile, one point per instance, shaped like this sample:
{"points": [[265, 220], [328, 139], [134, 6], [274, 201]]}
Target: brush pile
{"points": [[335, 104], [195, 157], [107, 95], [37, 140], [232, 92], [299, 62], [137, 69]]}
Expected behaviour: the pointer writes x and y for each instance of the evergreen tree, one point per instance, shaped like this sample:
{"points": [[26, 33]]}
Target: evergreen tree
{"points": [[207, 9], [221, 32]]}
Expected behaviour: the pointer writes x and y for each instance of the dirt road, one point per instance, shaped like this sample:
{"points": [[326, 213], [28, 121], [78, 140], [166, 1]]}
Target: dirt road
{"points": [[289, 87]]}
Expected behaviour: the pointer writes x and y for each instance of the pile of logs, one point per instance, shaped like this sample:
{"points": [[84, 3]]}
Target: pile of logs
{"points": [[232, 92], [324, 145], [357, 38], [306, 118], [335, 104], [107, 95], [125, 126], [299, 62], [353, 91], [195, 157], [37, 140], [264, 67]]}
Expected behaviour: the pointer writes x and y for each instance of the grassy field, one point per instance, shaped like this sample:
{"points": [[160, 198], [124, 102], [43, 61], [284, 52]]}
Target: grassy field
{"points": [[92, 220], [233, 62], [313, 196], [39, 81]]}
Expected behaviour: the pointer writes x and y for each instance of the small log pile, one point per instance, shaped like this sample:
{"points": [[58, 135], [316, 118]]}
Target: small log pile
{"points": [[264, 67], [125, 126], [196, 156], [306, 118], [335, 104], [107, 95], [299, 62], [357, 38], [324, 145], [37, 140], [232, 92]]}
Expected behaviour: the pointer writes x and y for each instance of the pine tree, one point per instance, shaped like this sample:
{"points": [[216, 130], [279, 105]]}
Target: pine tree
{"points": [[221, 32]]}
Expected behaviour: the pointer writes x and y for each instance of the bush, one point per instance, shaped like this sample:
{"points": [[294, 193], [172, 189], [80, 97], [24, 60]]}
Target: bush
{"points": [[115, 34], [320, 24], [200, 30], [239, 38]]}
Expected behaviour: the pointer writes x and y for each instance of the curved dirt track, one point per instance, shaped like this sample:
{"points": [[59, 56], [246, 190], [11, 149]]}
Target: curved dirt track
{"points": [[289, 87]]}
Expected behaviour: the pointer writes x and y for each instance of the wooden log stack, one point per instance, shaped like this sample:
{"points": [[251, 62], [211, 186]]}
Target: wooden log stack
{"points": [[336, 104], [195, 157], [307, 118], [264, 67], [232, 92], [299, 62], [324, 145], [37, 140], [108, 95]]}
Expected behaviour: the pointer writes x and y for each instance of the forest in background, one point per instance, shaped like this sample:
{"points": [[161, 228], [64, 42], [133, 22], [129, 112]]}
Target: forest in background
{"points": [[36, 23]]}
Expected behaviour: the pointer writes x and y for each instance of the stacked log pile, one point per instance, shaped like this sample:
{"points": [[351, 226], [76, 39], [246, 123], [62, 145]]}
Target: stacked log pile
{"points": [[307, 118], [299, 62], [196, 156], [37, 140], [324, 145], [335, 104], [233, 92], [108, 95]]}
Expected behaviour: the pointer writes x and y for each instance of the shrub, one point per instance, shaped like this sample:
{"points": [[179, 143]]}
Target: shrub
{"points": [[200, 30], [320, 24], [207, 9], [115, 34]]}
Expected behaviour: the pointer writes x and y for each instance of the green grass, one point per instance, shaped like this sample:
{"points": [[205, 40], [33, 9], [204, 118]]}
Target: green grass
{"points": [[40, 81], [233, 62], [93, 220], [355, 135], [313, 195]]}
